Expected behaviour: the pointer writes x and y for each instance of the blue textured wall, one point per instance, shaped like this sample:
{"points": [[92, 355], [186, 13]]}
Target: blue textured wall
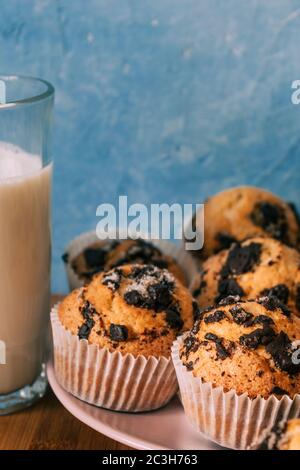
{"points": [[163, 100]]}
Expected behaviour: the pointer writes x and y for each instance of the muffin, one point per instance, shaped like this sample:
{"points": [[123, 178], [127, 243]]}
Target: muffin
{"points": [[113, 337], [102, 255], [239, 360], [245, 346], [283, 436], [243, 212], [253, 268]]}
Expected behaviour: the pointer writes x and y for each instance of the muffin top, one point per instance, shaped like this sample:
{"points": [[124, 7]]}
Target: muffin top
{"points": [[243, 212], [246, 346], [137, 309], [283, 436], [103, 255], [256, 267]]}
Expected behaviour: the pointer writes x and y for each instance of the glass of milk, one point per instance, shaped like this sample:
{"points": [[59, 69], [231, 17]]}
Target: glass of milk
{"points": [[25, 238]]}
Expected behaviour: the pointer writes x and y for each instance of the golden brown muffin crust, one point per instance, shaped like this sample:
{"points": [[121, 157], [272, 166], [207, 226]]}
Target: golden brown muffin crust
{"points": [[103, 255], [256, 267], [138, 309], [243, 212], [246, 346]]}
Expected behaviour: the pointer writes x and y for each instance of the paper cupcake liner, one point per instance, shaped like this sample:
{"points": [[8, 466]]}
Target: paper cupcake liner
{"points": [[78, 244], [109, 379], [229, 419]]}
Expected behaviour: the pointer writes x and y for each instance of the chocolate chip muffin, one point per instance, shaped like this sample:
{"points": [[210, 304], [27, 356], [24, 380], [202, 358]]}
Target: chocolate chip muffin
{"points": [[137, 309], [243, 212], [102, 255], [112, 337], [246, 346], [283, 436], [257, 267]]}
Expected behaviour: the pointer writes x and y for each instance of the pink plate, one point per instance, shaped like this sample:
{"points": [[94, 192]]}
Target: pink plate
{"points": [[164, 429]]}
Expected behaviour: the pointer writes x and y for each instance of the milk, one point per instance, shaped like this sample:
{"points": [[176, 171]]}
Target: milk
{"points": [[24, 265]]}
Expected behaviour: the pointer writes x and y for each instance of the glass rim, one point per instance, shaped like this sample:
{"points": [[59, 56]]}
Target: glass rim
{"points": [[31, 99]]}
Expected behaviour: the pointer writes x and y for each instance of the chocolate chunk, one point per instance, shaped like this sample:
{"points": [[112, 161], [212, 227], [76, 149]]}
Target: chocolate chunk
{"points": [[263, 320], [297, 299], [65, 257], [145, 253], [215, 317], [94, 257], [222, 352], [118, 332], [189, 365], [265, 213], [212, 337], [85, 329], [191, 344], [133, 297], [261, 336], [113, 279], [87, 310], [173, 318], [157, 288], [281, 351], [273, 303], [161, 294], [228, 287], [240, 316], [281, 291], [225, 240], [241, 259], [271, 218], [231, 299], [196, 327], [279, 391], [138, 272]]}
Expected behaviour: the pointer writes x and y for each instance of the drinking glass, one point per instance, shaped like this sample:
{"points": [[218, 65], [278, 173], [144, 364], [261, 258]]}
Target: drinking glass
{"points": [[26, 106]]}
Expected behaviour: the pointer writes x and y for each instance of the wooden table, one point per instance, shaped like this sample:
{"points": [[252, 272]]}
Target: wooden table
{"points": [[48, 425]]}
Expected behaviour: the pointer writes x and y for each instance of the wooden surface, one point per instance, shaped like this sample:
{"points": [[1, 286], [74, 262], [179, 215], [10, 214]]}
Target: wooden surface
{"points": [[47, 425]]}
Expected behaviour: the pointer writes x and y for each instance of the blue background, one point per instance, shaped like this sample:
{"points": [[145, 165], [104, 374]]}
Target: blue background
{"points": [[163, 100]]}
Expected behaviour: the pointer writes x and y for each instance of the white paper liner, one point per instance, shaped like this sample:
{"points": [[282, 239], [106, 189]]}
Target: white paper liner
{"points": [[78, 244], [231, 420], [109, 379]]}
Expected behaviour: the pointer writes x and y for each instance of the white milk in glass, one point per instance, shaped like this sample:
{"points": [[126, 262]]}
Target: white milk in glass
{"points": [[24, 265]]}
